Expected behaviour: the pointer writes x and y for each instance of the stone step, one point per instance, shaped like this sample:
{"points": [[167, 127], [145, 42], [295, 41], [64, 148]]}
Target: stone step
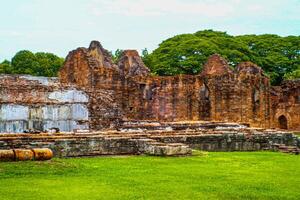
{"points": [[155, 125], [286, 149], [152, 147]]}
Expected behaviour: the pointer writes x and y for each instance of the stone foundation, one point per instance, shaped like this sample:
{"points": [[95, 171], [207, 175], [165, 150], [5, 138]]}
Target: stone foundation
{"points": [[150, 114], [167, 139]]}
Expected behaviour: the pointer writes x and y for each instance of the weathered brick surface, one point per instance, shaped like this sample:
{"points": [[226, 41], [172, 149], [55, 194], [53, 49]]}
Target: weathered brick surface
{"points": [[217, 94], [40, 103], [127, 91]]}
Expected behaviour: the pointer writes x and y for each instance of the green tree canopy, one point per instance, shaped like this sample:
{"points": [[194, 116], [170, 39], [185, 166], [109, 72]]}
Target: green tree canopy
{"points": [[293, 75], [49, 63], [38, 64], [116, 55], [5, 67], [187, 53]]}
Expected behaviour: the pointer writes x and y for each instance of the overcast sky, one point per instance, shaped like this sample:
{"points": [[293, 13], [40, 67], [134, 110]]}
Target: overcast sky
{"points": [[59, 26]]}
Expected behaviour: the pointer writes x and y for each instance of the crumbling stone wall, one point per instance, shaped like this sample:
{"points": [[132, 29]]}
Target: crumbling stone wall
{"points": [[129, 92], [40, 103], [217, 94]]}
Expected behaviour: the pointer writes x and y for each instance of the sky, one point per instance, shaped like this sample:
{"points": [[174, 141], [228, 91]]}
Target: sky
{"points": [[59, 26]]}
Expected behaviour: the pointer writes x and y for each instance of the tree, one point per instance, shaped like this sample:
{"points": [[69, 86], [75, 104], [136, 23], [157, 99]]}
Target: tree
{"points": [[49, 64], [117, 55], [25, 62], [145, 56], [5, 67], [181, 55], [276, 55], [187, 53], [38, 64], [293, 75]]}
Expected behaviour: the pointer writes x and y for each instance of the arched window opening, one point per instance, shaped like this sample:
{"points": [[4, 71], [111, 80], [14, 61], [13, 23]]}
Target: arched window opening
{"points": [[283, 123], [204, 107], [204, 93], [255, 100]]}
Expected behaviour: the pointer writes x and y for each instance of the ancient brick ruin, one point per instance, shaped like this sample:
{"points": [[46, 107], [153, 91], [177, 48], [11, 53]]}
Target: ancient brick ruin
{"points": [[127, 91], [95, 94]]}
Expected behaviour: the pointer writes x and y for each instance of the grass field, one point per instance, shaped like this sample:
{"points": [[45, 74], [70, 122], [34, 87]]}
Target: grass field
{"points": [[297, 133], [235, 175]]}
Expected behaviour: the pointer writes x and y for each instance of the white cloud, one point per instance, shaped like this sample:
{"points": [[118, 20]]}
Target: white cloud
{"points": [[11, 33], [198, 8], [209, 8]]}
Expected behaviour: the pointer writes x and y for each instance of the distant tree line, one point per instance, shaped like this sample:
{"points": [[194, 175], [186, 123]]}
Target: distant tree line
{"points": [[37, 64], [278, 56]]}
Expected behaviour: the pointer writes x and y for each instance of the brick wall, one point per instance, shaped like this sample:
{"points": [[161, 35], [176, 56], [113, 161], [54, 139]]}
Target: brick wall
{"points": [[217, 94]]}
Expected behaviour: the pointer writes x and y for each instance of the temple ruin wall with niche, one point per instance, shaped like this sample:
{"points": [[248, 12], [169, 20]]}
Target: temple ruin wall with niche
{"points": [[92, 92]]}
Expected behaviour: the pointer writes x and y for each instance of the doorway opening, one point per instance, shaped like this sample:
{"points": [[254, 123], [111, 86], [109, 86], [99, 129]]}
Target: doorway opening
{"points": [[283, 123]]}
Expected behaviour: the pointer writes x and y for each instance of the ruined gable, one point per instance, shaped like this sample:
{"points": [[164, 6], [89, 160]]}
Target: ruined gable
{"points": [[100, 56], [82, 65], [215, 65], [76, 69], [249, 68], [130, 64]]}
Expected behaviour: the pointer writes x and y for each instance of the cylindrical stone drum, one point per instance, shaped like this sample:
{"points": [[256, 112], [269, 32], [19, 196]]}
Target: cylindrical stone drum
{"points": [[42, 154], [23, 154], [7, 155]]}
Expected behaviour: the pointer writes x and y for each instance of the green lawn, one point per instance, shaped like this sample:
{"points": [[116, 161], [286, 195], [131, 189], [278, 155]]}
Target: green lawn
{"points": [[235, 175]]}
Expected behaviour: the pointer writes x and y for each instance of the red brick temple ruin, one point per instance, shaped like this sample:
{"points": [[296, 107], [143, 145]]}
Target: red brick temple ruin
{"points": [[115, 103], [126, 90]]}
